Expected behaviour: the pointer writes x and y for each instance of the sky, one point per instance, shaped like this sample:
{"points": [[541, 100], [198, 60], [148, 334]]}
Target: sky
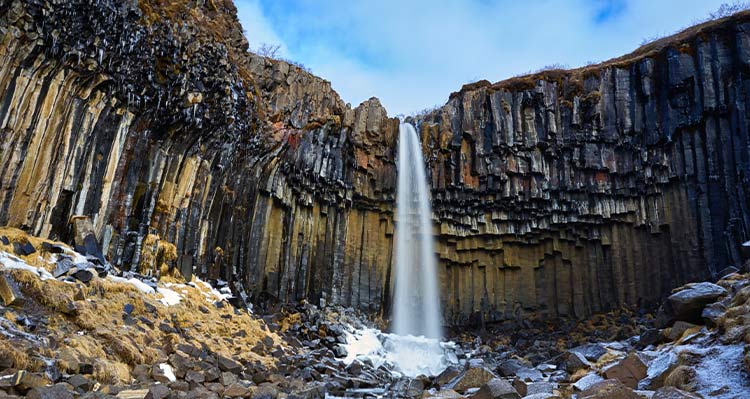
{"points": [[412, 54]]}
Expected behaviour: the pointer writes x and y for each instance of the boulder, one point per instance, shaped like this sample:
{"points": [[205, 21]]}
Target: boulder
{"points": [[712, 313], [496, 388], [573, 361], [591, 352], [529, 388], [608, 389], [158, 391], [163, 373], [444, 394], [23, 249], [227, 364], [447, 375], [473, 377], [628, 371], [529, 374], [409, 388], [542, 396], [508, 368], [238, 390], [651, 336], [673, 393], [9, 291], [678, 329], [658, 370], [80, 383], [587, 381], [689, 302], [53, 392], [133, 394]]}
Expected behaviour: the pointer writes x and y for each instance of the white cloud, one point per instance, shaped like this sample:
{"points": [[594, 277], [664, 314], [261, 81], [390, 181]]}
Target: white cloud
{"points": [[413, 54], [257, 28]]}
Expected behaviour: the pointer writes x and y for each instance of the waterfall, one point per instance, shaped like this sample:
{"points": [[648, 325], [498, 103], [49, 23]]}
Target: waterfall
{"points": [[416, 303]]}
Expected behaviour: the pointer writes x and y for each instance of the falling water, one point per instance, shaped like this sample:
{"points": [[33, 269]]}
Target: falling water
{"points": [[416, 305]]}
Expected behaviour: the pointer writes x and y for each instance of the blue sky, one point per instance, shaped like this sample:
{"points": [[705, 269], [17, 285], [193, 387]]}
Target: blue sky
{"points": [[413, 53]]}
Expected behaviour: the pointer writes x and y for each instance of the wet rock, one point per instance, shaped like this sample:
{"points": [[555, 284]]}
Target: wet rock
{"points": [[673, 393], [689, 302], [608, 389], [628, 371], [4, 240], [473, 377], [9, 291], [408, 388], [447, 376]]}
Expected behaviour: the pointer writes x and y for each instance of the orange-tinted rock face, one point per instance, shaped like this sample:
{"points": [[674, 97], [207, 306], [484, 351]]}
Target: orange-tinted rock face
{"points": [[576, 193]]}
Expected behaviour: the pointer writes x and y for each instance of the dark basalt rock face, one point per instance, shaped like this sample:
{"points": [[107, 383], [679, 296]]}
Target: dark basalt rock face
{"points": [[576, 191], [567, 193]]}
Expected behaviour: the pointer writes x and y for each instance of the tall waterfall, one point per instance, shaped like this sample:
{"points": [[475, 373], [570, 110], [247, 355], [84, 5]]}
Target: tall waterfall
{"points": [[416, 304]]}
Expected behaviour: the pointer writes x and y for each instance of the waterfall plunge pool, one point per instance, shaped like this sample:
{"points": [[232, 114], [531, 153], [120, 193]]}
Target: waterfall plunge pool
{"points": [[404, 355]]}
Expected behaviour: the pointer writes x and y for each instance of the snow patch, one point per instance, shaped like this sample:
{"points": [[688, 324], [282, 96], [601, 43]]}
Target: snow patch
{"points": [[170, 298], [168, 372], [11, 262], [212, 294], [140, 285]]}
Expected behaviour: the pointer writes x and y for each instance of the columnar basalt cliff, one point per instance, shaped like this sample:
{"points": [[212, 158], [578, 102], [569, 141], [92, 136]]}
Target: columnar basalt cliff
{"points": [[567, 192], [574, 192]]}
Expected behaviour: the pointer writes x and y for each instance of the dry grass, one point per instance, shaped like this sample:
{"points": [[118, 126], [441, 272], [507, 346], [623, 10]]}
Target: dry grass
{"points": [[157, 257], [94, 329], [20, 359], [38, 258]]}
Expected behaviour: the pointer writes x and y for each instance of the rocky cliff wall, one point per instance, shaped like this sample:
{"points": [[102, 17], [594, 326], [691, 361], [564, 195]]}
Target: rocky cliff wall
{"points": [[573, 192], [153, 120], [567, 193]]}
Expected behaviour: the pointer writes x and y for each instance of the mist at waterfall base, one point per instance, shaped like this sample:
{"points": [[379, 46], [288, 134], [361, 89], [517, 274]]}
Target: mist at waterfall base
{"points": [[414, 348]]}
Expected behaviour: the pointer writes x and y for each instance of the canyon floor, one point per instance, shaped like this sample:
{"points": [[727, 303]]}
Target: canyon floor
{"points": [[74, 326]]}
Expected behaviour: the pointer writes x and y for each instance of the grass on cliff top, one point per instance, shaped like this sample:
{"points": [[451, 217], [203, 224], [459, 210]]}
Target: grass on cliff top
{"points": [[682, 41]]}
